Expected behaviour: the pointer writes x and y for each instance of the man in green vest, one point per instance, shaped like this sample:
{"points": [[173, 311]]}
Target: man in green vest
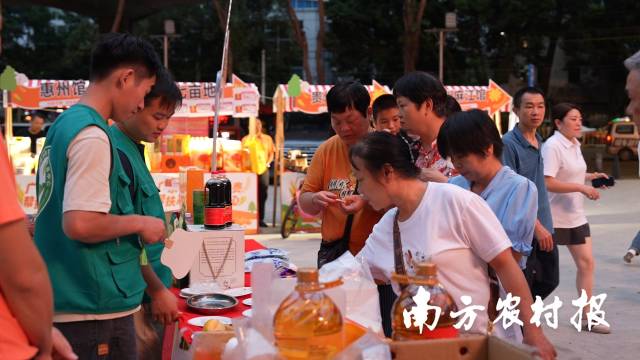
{"points": [[86, 215], [128, 135]]}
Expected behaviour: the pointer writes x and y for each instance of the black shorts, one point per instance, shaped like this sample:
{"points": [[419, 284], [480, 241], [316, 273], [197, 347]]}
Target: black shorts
{"points": [[572, 236]]}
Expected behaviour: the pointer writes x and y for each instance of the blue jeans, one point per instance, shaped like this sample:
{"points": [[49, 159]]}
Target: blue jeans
{"points": [[103, 339], [635, 244]]}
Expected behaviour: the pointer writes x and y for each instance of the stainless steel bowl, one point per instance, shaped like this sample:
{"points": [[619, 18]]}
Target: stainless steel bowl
{"points": [[211, 304]]}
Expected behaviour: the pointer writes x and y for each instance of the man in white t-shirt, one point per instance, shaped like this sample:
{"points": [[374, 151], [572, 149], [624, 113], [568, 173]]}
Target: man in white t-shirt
{"points": [[85, 210]]}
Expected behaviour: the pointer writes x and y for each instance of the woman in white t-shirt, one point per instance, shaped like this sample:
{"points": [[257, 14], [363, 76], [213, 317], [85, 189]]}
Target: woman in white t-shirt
{"points": [[565, 173], [440, 223]]}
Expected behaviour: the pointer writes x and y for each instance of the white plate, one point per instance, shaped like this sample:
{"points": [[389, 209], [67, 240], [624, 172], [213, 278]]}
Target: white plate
{"points": [[246, 313], [200, 289], [186, 292], [247, 302], [200, 321], [237, 292]]}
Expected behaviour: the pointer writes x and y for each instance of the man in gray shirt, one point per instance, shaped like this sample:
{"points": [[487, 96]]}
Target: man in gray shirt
{"points": [[522, 153]]}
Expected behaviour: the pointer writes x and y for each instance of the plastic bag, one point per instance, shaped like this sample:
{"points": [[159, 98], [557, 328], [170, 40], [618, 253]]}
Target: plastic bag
{"points": [[359, 288], [368, 347]]}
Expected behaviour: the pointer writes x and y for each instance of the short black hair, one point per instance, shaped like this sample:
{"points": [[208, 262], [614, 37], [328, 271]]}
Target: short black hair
{"points": [[418, 86], [517, 97], [115, 50], [383, 102], [453, 106], [378, 148], [39, 114], [166, 90], [348, 95], [469, 132]]}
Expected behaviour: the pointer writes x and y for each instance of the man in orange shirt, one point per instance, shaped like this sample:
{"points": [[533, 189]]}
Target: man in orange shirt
{"points": [[330, 186], [26, 306]]}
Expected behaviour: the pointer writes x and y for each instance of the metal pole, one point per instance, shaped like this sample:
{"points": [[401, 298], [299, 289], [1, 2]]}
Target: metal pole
{"points": [[263, 76], [166, 50], [221, 79], [441, 65]]}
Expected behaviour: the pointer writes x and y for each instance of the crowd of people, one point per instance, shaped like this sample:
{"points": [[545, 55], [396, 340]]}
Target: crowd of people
{"points": [[430, 183], [493, 229]]}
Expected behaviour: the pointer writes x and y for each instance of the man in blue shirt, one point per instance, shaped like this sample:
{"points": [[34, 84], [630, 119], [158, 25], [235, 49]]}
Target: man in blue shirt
{"points": [[521, 153]]}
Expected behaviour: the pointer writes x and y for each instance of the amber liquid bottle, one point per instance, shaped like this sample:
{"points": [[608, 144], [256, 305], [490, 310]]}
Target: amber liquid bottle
{"points": [[426, 277], [308, 324]]}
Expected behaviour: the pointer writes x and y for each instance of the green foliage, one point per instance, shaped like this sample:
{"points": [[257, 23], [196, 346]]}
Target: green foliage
{"points": [[46, 43]]}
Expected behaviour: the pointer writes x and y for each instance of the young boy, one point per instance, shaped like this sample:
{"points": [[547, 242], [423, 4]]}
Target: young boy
{"points": [[147, 125], [386, 115], [86, 215]]}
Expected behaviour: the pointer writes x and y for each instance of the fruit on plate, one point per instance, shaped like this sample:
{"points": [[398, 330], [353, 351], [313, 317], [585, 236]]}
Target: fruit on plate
{"points": [[213, 325]]}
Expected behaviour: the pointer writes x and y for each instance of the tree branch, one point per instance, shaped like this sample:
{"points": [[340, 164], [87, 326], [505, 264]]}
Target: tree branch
{"points": [[118, 18]]}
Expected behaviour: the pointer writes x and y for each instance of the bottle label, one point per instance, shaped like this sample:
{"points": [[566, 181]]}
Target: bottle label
{"points": [[214, 216], [228, 214]]}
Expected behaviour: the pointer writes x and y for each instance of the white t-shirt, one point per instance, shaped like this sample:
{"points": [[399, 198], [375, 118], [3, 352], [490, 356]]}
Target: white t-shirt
{"points": [[451, 227], [563, 160], [88, 166], [87, 189]]}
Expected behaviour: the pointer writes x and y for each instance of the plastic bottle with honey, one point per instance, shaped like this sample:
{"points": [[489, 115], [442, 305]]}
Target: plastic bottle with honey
{"points": [[308, 324], [425, 277]]}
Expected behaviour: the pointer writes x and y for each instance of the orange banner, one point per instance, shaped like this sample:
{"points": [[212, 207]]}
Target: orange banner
{"points": [[239, 99]]}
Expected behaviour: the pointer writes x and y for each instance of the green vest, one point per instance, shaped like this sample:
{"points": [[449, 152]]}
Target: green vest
{"points": [[147, 198], [98, 278]]}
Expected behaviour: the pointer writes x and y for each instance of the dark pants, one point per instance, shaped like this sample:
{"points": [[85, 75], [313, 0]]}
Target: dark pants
{"points": [[263, 188], [387, 297], [100, 340], [542, 271]]}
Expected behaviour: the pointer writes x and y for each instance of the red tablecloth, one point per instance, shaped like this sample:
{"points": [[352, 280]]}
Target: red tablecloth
{"points": [[249, 245]]}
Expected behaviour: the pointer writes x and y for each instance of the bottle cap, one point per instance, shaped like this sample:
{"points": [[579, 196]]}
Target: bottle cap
{"points": [[307, 275], [426, 269]]}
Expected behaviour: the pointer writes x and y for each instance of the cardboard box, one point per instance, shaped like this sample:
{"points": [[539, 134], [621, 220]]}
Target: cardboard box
{"points": [[225, 250], [469, 347]]}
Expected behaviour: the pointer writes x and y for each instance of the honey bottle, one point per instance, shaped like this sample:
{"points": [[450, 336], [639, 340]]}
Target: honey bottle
{"points": [[405, 307], [308, 324]]}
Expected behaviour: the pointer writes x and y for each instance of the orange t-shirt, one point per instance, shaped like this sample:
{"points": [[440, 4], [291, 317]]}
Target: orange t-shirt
{"points": [[330, 170], [14, 343]]}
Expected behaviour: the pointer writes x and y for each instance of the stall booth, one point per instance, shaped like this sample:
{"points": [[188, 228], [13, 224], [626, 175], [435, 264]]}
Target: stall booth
{"points": [[300, 96], [181, 158]]}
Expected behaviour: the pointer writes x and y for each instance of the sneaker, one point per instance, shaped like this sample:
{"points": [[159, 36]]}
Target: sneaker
{"points": [[263, 224], [596, 329], [629, 255]]}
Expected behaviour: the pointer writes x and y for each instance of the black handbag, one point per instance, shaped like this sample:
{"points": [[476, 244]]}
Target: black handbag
{"points": [[331, 250], [542, 272]]}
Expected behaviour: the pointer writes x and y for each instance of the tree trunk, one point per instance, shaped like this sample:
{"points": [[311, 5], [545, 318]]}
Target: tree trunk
{"points": [[412, 14], [300, 39], [320, 44], [222, 20], [118, 18]]}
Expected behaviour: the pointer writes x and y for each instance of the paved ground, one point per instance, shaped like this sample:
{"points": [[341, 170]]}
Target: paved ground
{"points": [[614, 219]]}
